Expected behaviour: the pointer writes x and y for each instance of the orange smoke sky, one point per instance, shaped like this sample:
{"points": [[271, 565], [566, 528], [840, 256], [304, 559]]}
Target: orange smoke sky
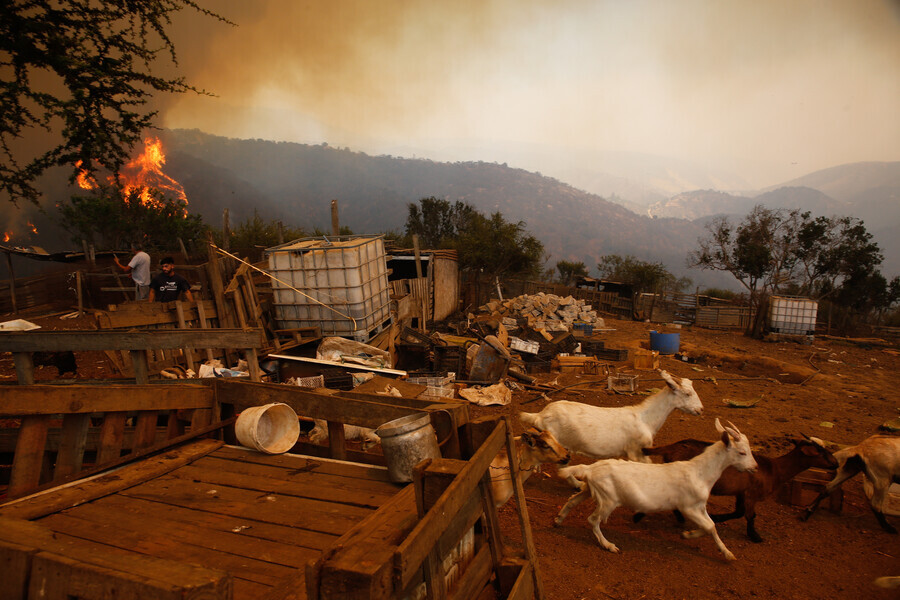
{"points": [[768, 88]]}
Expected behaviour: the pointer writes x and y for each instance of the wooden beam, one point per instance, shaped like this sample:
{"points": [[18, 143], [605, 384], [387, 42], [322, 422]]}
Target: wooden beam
{"points": [[56, 499], [85, 399], [411, 553], [59, 341]]}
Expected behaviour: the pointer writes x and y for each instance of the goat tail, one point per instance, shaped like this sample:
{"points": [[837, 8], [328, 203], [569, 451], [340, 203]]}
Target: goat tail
{"points": [[579, 472], [530, 419]]}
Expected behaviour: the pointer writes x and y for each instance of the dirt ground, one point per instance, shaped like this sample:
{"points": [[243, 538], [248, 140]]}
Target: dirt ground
{"points": [[833, 389]]}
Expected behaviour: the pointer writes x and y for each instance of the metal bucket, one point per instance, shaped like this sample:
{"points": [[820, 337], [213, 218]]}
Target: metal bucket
{"points": [[406, 442]]}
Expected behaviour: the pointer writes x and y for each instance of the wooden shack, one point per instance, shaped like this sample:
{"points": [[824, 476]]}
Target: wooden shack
{"points": [[432, 291]]}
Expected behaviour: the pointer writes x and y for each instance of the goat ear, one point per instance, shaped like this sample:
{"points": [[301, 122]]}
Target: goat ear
{"points": [[726, 438], [669, 380], [528, 438]]}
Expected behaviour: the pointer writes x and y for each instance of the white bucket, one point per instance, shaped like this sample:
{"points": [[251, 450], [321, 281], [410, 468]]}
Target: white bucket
{"points": [[271, 428]]}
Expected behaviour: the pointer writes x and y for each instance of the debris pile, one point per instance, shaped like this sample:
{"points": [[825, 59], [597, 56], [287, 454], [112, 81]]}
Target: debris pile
{"points": [[543, 311]]}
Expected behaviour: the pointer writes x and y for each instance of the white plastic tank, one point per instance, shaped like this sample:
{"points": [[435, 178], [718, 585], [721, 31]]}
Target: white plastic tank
{"points": [[792, 315], [338, 283]]}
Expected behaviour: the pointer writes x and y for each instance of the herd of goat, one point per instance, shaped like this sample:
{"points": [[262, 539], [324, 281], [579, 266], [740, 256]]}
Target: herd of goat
{"points": [[690, 470]]}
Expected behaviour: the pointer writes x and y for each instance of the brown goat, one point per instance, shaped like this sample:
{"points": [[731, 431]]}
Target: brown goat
{"points": [[750, 488]]}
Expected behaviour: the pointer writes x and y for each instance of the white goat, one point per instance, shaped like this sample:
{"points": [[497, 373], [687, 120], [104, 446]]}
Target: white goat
{"points": [[533, 448], [879, 458], [603, 432], [369, 438], [643, 487]]}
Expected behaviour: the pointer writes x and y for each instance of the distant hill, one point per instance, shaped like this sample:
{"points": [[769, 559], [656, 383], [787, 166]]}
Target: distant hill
{"points": [[296, 182]]}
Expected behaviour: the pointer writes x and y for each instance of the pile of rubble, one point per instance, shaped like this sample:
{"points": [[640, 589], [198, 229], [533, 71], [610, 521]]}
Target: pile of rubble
{"points": [[543, 311]]}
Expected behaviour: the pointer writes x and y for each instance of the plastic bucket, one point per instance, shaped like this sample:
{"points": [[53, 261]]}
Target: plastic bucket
{"points": [[665, 343], [271, 428], [406, 442]]}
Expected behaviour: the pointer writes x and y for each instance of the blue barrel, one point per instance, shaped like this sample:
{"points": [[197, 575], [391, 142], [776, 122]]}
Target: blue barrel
{"points": [[665, 343], [585, 329]]}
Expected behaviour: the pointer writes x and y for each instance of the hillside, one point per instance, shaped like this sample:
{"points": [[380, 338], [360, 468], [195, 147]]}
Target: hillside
{"points": [[295, 183]]}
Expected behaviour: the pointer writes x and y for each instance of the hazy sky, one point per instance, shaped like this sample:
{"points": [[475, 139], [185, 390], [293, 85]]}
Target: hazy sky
{"points": [[769, 89]]}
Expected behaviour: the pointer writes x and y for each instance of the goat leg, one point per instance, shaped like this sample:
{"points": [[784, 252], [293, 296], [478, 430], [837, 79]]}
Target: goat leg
{"points": [[576, 499], [879, 497], [739, 511]]}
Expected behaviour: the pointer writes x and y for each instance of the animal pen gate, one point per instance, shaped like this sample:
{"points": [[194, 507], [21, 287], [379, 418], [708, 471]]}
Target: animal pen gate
{"points": [[189, 516]]}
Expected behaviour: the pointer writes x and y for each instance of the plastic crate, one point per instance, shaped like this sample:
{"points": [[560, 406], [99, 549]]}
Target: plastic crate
{"points": [[611, 354], [450, 359], [520, 345], [437, 386]]}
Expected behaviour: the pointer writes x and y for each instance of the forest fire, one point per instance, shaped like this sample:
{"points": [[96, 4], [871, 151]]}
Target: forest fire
{"points": [[7, 235], [143, 173]]}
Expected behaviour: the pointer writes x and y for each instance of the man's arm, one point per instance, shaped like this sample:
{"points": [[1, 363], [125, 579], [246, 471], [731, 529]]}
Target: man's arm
{"points": [[187, 294], [126, 268], [152, 296]]}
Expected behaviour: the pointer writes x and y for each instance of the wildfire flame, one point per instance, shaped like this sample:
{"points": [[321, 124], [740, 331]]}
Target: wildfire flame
{"points": [[7, 235], [143, 172], [33, 228]]}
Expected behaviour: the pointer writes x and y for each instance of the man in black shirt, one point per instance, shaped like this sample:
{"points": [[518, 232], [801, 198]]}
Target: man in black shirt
{"points": [[167, 285]]}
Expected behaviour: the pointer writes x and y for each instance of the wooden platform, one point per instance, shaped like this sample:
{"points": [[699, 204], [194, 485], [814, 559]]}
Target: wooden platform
{"points": [[226, 515]]}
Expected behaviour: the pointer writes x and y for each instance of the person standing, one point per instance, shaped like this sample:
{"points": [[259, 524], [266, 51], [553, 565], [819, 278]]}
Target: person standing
{"points": [[167, 285], [139, 269]]}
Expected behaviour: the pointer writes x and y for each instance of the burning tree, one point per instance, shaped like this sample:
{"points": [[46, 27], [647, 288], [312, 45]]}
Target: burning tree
{"points": [[140, 204], [82, 71]]}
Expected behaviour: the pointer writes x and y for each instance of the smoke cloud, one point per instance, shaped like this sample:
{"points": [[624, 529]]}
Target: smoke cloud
{"points": [[771, 89]]}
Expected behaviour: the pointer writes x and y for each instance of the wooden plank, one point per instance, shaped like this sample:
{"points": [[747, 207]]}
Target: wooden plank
{"points": [[162, 339], [301, 513], [64, 567], [204, 324], [145, 429], [303, 485], [155, 540], [359, 565], [475, 577], [182, 324], [411, 553], [302, 463], [195, 534], [331, 363], [85, 399], [15, 568], [72, 443], [29, 457], [247, 528], [112, 432], [24, 363], [515, 578], [524, 522], [84, 491]]}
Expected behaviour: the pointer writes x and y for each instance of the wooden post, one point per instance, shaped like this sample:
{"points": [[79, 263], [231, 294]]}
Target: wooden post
{"points": [[280, 233], [182, 324], [140, 366], [204, 324], [184, 251], [226, 231], [415, 239], [12, 282], [92, 256], [79, 292], [335, 221]]}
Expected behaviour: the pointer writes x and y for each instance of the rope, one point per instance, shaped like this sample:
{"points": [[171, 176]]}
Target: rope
{"points": [[284, 283]]}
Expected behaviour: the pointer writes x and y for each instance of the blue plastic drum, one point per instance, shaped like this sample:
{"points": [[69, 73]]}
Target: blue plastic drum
{"points": [[665, 343]]}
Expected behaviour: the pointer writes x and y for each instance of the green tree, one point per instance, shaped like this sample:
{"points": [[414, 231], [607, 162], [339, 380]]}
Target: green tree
{"points": [[760, 252], [490, 245], [438, 222], [254, 235], [108, 219], [82, 71], [569, 271], [643, 276], [834, 252]]}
